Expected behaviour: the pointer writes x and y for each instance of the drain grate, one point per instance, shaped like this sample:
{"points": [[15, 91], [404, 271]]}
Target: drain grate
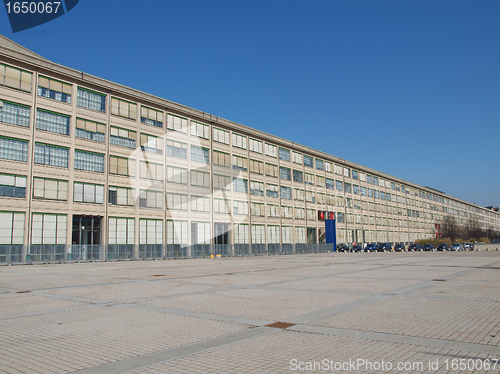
{"points": [[280, 325]]}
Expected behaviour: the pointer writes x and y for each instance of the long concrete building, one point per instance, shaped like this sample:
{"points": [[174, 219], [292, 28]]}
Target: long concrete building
{"points": [[85, 161]]}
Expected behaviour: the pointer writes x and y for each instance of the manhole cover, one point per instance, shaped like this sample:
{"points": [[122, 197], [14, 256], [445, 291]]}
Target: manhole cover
{"points": [[280, 325]]}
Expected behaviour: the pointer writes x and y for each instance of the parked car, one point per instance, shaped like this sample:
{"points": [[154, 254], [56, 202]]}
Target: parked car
{"points": [[428, 247], [442, 247], [372, 247], [415, 247], [343, 248], [400, 247], [385, 247], [456, 247], [471, 246], [356, 248]]}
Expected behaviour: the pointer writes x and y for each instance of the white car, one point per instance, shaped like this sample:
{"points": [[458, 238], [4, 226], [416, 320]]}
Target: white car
{"points": [[456, 247]]}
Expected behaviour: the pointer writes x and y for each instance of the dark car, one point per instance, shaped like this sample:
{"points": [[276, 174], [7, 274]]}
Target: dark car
{"points": [[400, 247], [372, 247], [385, 247], [415, 247], [356, 248], [442, 247], [428, 247], [343, 248]]}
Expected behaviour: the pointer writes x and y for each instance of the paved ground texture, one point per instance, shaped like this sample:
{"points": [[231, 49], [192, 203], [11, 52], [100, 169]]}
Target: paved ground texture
{"points": [[323, 313]]}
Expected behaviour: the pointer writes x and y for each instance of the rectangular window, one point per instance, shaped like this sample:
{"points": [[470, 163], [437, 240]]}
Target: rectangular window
{"points": [[272, 170], [287, 234], [310, 196], [240, 185], [285, 173], [370, 192], [347, 172], [176, 149], [338, 169], [177, 175], [271, 150], [239, 141], [89, 161], [297, 157], [54, 89], [339, 186], [222, 206], [240, 163], [15, 78], [221, 159], [362, 177], [258, 234], [200, 154], [200, 130], [255, 145], [121, 166], [298, 176], [88, 193], [309, 179], [376, 194], [151, 199], [200, 233], [347, 187], [299, 194], [13, 149], [308, 161], [90, 100], [200, 204], [90, 130], [151, 117], [120, 196], [12, 227], [200, 178], [256, 167], [355, 174], [320, 181], [369, 179], [286, 193], [287, 212], [362, 191], [51, 155], [311, 215], [122, 137], [121, 230], [123, 108], [176, 201], [150, 170], [48, 228], [355, 189], [375, 181], [240, 208], [272, 190], [241, 234], [330, 184], [300, 213], [273, 234], [50, 189], [151, 143], [257, 188], [388, 197], [177, 232], [273, 211], [151, 231], [330, 199], [221, 136], [319, 164], [222, 182], [328, 166], [52, 122], [257, 209], [284, 154], [177, 123], [14, 114], [12, 185]]}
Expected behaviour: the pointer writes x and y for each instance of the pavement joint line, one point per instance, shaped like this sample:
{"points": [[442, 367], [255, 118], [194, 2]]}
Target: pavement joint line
{"points": [[142, 361], [202, 315], [51, 311], [394, 338]]}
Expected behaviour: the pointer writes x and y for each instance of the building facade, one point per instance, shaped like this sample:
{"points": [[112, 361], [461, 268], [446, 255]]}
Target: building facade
{"points": [[84, 161]]}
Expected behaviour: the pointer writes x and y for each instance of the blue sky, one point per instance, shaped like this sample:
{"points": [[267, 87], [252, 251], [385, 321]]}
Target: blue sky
{"points": [[410, 88]]}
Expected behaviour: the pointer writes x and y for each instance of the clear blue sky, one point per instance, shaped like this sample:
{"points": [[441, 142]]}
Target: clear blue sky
{"points": [[410, 88]]}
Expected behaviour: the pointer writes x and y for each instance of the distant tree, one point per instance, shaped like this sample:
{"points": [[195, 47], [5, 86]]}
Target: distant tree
{"points": [[450, 228]]}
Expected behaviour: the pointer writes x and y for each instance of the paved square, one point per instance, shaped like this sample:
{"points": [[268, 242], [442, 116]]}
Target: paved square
{"points": [[345, 312]]}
